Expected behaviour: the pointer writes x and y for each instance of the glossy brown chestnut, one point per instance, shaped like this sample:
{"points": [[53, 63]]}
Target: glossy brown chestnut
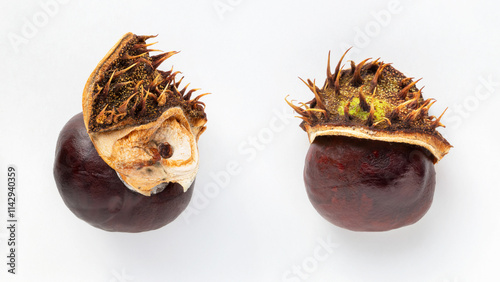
{"points": [[95, 194], [367, 185], [374, 145]]}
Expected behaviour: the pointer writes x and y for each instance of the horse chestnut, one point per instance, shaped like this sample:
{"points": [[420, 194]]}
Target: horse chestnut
{"points": [[93, 191], [370, 166], [129, 161]]}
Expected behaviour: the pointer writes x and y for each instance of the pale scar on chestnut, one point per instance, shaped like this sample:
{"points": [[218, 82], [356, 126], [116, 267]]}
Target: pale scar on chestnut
{"points": [[370, 166]]}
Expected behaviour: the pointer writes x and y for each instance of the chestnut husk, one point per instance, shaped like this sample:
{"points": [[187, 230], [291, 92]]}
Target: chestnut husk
{"points": [[94, 193]]}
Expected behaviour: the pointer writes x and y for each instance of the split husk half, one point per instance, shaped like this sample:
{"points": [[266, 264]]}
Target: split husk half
{"points": [[141, 123]]}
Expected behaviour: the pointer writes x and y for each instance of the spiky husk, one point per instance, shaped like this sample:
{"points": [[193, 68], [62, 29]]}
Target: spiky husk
{"points": [[133, 111], [128, 89], [372, 100]]}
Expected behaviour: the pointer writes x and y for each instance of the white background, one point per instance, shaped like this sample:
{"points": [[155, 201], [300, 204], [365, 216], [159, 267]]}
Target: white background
{"points": [[256, 224]]}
